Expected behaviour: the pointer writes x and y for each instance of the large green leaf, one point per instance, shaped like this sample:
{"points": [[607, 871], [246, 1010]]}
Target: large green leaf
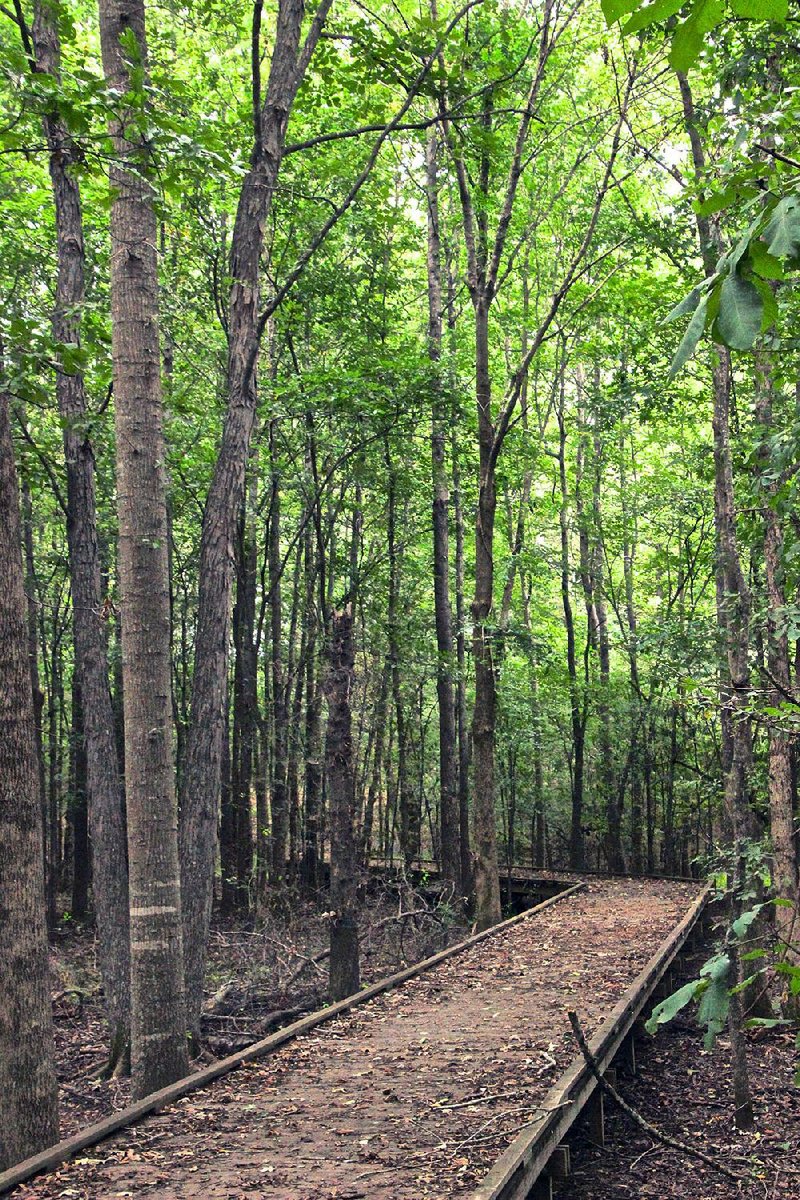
{"points": [[669, 1008], [761, 10], [615, 10], [741, 308], [766, 265], [782, 233], [690, 36], [715, 1003], [661, 10], [687, 305], [692, 336]]}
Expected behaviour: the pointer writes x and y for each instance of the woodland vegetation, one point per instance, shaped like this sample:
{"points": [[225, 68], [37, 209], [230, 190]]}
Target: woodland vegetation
{"points": [[358, 499]]}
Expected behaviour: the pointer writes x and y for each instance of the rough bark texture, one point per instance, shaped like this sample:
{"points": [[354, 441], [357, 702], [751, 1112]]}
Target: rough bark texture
{"points": [[484, 836], [449, 824], [200, 784], [158, 1022], [344, 958], [106, 805], [779, 681], [28, 1092]]}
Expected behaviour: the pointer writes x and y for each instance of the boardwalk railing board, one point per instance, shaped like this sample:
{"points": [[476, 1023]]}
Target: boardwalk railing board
{"points": [[54, 1156], [518, 1168]]}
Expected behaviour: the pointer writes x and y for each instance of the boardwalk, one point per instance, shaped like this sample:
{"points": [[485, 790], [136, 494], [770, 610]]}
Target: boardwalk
{"points": [[413, 1095]]}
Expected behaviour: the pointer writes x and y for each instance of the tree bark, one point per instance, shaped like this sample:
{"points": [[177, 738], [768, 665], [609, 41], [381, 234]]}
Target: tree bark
{"points": [[779, 681], [28, 1090], [158, 1021], [449, 822], [200, 785], [106, 803], [344, 958]]}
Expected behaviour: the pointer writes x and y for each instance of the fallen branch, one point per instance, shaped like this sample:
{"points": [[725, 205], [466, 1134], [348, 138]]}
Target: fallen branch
{"points": [[636, 1116]]}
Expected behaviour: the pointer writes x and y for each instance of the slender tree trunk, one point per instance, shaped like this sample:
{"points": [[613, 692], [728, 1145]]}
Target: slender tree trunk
{"points": [[449, 820], [344, 959], [779, 685], [158, 1021], [409, 813], [484, 836], [106, 803], [200, 785], [79, 813], [462, 723], [280, 727], [576, 839], [245, 700], [28, 1090], [50, 812]]}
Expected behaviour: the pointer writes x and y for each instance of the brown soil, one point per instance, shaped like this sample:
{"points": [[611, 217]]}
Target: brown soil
{"points": [[411, 1097], [685, 1091]]}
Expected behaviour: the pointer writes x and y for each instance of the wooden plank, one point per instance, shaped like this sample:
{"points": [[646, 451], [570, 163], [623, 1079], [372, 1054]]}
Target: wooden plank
{"points": [[522, 1163], [53, 1156]]}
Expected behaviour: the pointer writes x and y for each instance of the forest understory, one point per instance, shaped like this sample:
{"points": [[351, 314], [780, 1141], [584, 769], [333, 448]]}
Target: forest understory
{"points": [[684, 1091], [259, 979]]}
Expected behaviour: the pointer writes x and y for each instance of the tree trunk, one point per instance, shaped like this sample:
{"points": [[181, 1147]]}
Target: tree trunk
{"points": [[280, 726], [779, 683], [484, 858], [79, 813], [576, 839], [449, 822], [158, 1021], [344, 958], [200, 785], [106, 802], [28, 1091]]}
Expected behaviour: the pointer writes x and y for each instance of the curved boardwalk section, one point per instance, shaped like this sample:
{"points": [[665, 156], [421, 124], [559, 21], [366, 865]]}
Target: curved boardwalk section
{"points": [[411, 1096]]}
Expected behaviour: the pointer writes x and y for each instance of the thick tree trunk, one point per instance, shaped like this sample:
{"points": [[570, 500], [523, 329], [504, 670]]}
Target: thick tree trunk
{"points": [[158, 1021], [344, 959], [28, 1091], [106, 804]]}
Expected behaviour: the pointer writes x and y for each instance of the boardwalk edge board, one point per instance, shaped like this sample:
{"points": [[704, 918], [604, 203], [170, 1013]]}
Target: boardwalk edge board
{"points": [[521, 1164], [54, 1156]]}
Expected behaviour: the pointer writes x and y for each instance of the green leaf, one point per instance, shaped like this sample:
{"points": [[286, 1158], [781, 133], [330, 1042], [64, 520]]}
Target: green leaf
{"points": [[713, 1009], [692, 336], [687, 305], [782, 233], [689, 37], [716, 202], [661, 10], [615, 10], [761, 10], [669, 1008], [742, 923], [766, 265], [765, 1023], [740, 311]]}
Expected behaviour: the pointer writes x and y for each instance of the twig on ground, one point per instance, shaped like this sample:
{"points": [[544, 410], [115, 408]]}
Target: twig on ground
{"points": [[636, 1116]]}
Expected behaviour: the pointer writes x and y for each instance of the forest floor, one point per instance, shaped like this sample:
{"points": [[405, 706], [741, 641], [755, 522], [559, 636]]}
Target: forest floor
{"points": [[411, 1096], [685, 1092], [258, 979]]}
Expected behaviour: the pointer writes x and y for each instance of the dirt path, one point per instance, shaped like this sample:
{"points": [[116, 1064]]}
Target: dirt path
{"points": [[410, 1097]]}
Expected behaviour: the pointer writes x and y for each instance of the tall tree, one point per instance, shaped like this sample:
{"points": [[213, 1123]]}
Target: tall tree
{"points": [[158, 1021], [28, 1091], [106, 806]]}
